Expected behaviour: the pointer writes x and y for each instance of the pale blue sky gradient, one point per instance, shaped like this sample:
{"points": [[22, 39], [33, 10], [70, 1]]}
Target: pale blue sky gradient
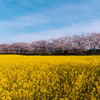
{"points": [[31, 20]]}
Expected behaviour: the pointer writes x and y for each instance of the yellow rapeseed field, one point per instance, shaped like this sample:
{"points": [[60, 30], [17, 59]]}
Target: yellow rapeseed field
{"points": [[49, 77]]}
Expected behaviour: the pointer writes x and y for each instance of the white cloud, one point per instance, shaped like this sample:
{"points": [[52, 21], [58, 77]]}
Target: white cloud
{"points": [[55, 33], [28, 20], [60, 14]]}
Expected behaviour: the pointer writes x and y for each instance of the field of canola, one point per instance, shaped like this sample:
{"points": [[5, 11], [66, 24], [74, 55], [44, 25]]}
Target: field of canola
{"points": [[49, 77]]}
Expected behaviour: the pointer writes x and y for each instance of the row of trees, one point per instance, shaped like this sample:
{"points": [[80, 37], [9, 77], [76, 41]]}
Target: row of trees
{"points": [[77, 44]]}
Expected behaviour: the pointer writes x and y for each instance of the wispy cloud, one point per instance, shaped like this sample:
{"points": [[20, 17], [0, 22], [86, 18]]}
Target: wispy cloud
{"points": [[59, 15], [81, 28], [30, 20]]}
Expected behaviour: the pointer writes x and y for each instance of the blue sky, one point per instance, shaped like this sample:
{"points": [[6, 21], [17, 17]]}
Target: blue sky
{"points": [[32, 20]]}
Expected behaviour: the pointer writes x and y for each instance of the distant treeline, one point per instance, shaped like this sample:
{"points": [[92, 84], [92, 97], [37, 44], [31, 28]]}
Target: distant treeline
{"points": [[67, 45]]}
